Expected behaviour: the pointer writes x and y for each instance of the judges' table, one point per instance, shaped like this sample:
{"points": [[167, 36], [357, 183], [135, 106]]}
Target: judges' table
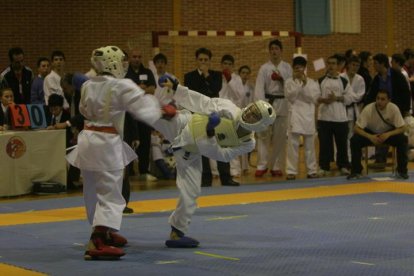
{"points": [[31, 156]]}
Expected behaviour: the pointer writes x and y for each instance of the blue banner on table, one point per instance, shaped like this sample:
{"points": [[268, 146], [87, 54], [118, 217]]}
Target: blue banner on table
{"points": [[37, 116]]}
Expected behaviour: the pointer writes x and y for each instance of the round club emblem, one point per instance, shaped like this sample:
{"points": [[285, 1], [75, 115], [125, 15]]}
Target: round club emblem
{"points": [[15, 147]]}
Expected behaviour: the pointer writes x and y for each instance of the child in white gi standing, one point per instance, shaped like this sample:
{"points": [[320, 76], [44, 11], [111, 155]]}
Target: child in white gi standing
{"points": [[101, 153], [302, 94]]}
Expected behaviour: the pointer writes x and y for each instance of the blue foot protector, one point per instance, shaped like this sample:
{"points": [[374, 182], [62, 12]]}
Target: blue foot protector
{"points": [[182, 242]]}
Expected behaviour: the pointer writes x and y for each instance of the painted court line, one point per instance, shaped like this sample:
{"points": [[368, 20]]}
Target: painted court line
{"points": [[168, 262], [380, 203], [227, 218], [362, 263], [216, 256], [375, 218]]}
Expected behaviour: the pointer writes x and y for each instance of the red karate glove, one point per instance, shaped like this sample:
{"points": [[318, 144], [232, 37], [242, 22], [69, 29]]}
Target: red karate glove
{"points": [[168, 111], [276, 76]]}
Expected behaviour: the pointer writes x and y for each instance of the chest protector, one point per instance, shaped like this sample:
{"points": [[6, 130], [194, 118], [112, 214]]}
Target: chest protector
{"points": [[225, 132]]}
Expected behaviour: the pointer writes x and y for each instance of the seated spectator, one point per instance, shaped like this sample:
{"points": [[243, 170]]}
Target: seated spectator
{"points": [[6, 97], [380, 123], [160, 155], [60, 119], [37, 95], [395, 83]]}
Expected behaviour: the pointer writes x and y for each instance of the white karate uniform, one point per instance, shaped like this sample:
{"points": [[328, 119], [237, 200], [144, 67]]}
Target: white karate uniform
{"points": [[233, 91], [335, 114], [248, 91], [353, 110], [271, 144], [102, 156], [247, 99], [302, 101], [189, 166], [51, 85]]}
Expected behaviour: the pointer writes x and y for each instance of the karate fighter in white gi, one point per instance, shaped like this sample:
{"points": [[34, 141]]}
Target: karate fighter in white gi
{"points": [[217, 129], [101, 153]]}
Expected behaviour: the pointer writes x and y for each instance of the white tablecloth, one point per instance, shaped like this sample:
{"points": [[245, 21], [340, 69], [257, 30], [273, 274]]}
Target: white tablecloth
{"points": [[31, 156]]}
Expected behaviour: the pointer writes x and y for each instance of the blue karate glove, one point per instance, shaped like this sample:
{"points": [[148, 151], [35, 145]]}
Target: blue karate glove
{"points": [[213, 122], [164, 79]]}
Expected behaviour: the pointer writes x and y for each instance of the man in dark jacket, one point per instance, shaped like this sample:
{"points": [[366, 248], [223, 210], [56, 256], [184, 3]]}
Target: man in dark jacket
{"points": [[18, 76], [392, 81], [144, 78], [208, 82]]}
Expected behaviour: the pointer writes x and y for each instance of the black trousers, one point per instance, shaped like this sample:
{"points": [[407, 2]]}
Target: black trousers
{"points": [[143, 150], [126, 188], [327, 132], [399, 141], [222, 167], [381, 154], [73, 174]]}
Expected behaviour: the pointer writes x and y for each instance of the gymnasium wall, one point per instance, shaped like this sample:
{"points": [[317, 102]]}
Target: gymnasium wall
{"points": [[77, 27]]}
